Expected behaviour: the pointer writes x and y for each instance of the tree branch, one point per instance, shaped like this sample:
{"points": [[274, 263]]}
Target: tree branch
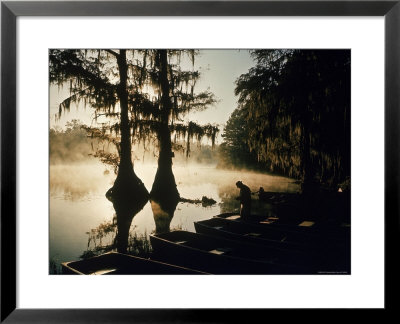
{"points": [[112, 52]]}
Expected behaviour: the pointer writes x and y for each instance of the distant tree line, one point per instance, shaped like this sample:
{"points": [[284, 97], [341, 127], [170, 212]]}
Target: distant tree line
{"points": [[68, 145], [72, 144], [293, 116], [234, 151]]}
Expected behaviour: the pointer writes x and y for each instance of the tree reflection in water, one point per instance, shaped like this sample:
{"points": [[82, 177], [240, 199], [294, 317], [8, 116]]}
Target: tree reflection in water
{"points": [[163, 211], [126, 204], [103, 239]]}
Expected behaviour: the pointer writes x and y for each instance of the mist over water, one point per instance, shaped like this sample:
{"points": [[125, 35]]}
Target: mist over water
{"points": [[78, 203], [180, 131]]}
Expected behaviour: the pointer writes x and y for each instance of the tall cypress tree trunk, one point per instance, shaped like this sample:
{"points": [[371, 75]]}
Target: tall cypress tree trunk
{"points": [[128, 194], [126, 165], [127, 183], [164, 183]]}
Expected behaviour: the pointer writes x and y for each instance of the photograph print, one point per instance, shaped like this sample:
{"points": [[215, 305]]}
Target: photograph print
{"points": [[199, 161]]}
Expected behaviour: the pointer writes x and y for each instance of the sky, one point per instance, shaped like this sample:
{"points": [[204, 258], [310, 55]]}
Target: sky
{"points": [[219, 69]]}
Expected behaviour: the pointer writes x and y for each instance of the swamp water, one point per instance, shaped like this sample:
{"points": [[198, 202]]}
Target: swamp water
{"points": [[82, 219]]}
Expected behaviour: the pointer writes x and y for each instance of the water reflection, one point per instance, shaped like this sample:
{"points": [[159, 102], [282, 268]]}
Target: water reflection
{"points": [[77, 182], [164, 195], [103, 239], [163, 213], [79, 210], [127, 205]]}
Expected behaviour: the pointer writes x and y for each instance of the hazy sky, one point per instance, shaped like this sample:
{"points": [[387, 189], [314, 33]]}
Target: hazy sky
{"points": [[219, 70]]}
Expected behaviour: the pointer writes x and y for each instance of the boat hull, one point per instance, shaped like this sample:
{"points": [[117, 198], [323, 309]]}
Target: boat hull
{"points": [[299, 232], [314, 253], [219, 256], [120, 264]]}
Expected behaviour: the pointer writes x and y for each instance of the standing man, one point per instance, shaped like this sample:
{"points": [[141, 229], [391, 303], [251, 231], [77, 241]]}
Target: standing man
{"points": [[245, 200]]}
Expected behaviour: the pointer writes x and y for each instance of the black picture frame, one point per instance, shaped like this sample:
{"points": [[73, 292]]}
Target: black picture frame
{"points": [[10, 10]]}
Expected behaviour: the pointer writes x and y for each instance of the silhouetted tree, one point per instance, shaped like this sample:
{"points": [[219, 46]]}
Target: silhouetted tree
{"points": [[167, 96], [297, 105], [143, 93], [99, 78]]}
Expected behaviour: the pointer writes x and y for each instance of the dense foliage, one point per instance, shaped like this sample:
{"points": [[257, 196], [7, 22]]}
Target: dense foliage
{"points": [[294, 114], [157, 91]]}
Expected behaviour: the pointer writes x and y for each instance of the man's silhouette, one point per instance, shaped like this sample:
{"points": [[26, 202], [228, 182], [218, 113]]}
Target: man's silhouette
{"points": [[245, 200]]}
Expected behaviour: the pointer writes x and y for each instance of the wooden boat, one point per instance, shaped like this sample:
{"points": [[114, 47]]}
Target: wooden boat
{"points": [[319, 252], [222, 256], [302, 231], [249, 232], [114, 263]]}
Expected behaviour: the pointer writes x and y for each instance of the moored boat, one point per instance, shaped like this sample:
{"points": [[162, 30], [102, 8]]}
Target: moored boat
{"points": [[222, 256], [319, 252], [114, 263], [301, 231], [248, 232]]}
